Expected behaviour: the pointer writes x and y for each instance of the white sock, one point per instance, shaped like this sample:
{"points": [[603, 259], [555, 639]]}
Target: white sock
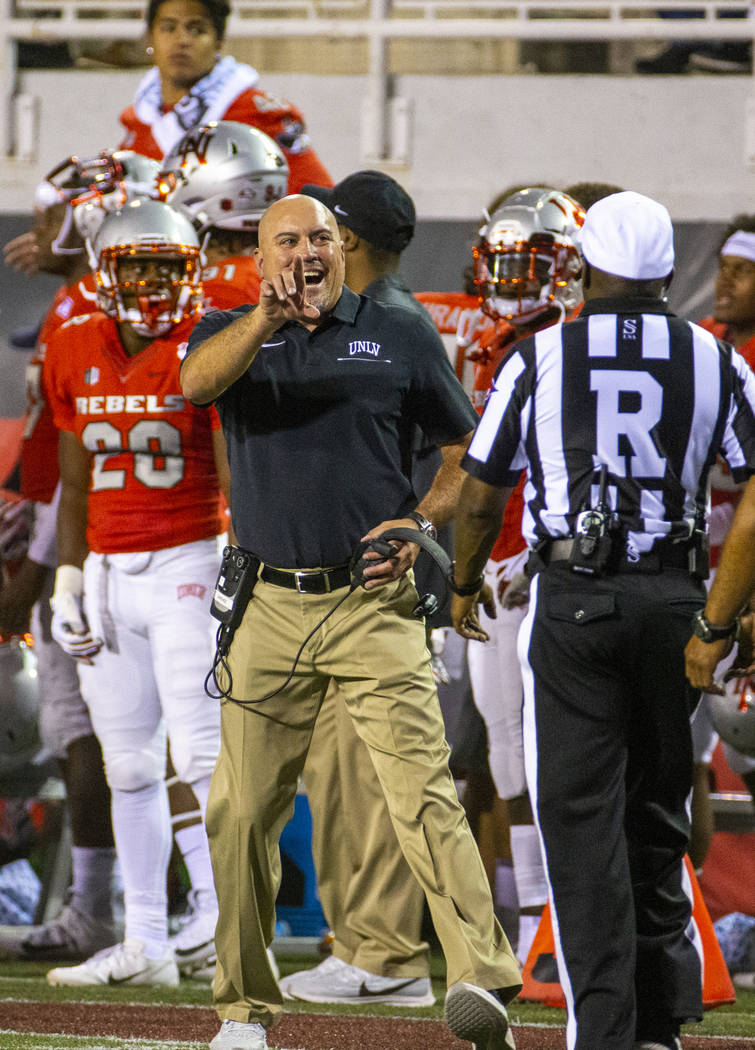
{"points": [[141, 825], [505, 886], [195, 850], [531, 885], [201, 789], [92, 881], [528, 925]]}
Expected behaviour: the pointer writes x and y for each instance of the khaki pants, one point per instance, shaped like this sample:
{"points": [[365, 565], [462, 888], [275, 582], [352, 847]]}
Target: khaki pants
{"points": [[375, 651], [372, 902]]}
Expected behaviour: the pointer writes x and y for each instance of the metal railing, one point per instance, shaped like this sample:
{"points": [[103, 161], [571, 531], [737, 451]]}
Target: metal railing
{"points": [[392, 19]]}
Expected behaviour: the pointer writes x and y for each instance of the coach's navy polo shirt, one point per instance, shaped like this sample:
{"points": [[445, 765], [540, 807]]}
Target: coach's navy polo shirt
{"points": [[319, 427]]}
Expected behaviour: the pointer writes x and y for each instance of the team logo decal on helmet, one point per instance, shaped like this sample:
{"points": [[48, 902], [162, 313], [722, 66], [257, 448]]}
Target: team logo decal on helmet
{"points": [[224, 174], [527, 260]]}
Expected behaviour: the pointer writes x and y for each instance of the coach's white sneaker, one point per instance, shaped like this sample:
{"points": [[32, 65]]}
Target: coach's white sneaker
{"points": [[207, 972], [124, 963], [335, 981], [237, 1035], [675, 1044], [194, 944], [479, 1017]]}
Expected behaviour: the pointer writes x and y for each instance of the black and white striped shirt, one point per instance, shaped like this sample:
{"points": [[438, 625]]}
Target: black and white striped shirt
{"points": [[627, 385]]}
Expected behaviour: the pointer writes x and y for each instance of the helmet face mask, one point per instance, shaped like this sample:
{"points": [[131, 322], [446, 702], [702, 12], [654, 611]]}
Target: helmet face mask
{"points": [[147, 261], [527, 261], [224, 175], [119, 176]]}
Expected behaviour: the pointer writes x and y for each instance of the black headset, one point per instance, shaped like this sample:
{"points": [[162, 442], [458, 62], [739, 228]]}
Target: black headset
{"points": [[428, 603]]}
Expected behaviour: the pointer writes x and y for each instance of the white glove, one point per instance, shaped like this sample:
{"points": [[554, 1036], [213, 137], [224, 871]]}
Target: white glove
{"points": [[69, 624]]}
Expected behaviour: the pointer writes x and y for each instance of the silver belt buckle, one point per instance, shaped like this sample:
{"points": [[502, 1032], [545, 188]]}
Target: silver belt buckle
{"points": [[299, 577]]}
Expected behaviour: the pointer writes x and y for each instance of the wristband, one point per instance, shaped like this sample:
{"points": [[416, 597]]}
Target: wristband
{"points": [[464, 590], [69, 578]]}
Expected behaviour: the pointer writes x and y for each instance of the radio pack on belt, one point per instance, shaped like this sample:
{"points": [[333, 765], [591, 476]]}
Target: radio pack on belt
{"points": [[233, 589], [594, 535]]}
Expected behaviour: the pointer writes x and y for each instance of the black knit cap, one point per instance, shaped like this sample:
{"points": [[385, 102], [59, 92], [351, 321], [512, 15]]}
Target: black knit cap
{"points": [[373, 206]]}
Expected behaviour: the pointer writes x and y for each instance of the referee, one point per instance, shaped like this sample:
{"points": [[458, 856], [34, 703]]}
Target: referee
{"points": [[617, 418]]}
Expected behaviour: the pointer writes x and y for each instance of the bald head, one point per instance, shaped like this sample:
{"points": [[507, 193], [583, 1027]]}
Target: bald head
{"points": [[300, 226]]}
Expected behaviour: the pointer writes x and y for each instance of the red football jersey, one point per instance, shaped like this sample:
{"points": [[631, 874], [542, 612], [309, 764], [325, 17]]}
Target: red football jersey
{"points": [[231, 282], [273, 115], [153, 482], [39, 450], [460, 323], [731, 496]]}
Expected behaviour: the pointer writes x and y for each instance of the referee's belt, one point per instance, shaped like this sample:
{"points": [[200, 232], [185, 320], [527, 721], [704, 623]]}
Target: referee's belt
{"points": [[308, 581], [666, 556]]}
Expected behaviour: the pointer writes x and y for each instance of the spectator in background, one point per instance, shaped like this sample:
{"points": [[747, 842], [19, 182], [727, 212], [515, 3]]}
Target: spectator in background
{"points": [[191, 84], [711, 56]]}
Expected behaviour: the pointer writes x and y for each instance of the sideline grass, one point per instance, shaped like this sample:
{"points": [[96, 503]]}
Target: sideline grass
{"points": [[25, 982]]}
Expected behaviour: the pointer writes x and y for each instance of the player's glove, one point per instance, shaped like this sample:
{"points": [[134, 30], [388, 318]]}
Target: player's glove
{"points": [[69, 624]]}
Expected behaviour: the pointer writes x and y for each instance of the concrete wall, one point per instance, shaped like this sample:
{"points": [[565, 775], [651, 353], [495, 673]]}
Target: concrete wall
{"points": [[680, 139]]}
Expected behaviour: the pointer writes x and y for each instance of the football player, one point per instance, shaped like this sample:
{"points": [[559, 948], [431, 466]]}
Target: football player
{"points": [[527, 275], [137, 525], [733, 319], [224, 175], [55, 246]]}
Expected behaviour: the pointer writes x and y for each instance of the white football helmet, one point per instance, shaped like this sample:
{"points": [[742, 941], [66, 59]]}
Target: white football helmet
{"points": [[118, 177], [527, 260], [224, 174], [19, 705], [151, 231]]}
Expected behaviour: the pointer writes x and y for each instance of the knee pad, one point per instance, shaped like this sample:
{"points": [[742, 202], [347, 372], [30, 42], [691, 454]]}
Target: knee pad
{"points": [[134, 770]]}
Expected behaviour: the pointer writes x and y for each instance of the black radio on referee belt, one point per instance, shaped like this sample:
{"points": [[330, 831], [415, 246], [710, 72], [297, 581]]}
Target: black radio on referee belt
{"points": [[233, 589], [594, 535]]}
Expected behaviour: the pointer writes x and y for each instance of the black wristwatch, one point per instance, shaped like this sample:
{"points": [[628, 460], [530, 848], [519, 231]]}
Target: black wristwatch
{"points": [[706, 632], [464, 590], [424, 524]]}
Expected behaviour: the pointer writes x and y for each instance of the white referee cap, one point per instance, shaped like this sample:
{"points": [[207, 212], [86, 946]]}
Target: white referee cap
{"points": [[629, 235]]}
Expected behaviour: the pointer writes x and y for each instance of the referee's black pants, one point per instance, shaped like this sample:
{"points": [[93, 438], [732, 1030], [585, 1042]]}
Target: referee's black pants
{"points": [[609, 768]]}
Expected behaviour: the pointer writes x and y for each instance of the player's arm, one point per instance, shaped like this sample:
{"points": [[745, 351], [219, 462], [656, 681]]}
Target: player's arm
{"points": [[73, 510], [731, 591], [23, 586], [478, 523], [217, 361], [69, 624], [220, 453]]}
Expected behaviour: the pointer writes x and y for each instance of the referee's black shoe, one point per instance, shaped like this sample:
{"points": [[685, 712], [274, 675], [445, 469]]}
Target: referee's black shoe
{"points": [[479, 1017]]}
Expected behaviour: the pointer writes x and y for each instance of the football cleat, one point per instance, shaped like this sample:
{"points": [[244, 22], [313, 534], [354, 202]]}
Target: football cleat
{"points": [[335, 981], [124, 963]]}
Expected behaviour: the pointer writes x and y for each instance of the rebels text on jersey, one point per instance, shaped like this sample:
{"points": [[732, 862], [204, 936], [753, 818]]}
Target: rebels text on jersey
{"points": [[39, 450], [153, 482]]}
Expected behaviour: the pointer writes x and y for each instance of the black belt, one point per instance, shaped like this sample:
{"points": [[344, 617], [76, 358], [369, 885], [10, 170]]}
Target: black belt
{"points": [[668, 556], [308, 581]]}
